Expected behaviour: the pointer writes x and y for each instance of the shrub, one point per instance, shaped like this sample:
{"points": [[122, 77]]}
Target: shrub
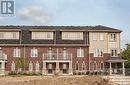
{"points": [[12, 73]]}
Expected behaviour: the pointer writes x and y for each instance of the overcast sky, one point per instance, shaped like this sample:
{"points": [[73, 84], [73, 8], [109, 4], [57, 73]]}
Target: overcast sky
{"points": [[111, 13]]}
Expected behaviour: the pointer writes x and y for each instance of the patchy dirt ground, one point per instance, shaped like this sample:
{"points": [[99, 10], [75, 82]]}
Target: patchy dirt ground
{"points": [[53, 80]]}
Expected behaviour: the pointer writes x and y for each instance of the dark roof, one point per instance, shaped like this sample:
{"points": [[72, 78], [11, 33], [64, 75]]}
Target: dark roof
{"points": [[25, 31], [87, 28]]}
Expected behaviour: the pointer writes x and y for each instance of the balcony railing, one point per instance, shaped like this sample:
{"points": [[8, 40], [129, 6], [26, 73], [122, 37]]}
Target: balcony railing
{"points": [[57, 56]]}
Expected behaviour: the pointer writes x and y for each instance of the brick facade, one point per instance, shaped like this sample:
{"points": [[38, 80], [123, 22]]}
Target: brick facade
{"points": [[57, 45]]}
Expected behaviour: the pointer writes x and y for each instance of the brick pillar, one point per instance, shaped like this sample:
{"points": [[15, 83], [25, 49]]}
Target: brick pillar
{"points": [[57, 67], [70, 68], [44, 68]]}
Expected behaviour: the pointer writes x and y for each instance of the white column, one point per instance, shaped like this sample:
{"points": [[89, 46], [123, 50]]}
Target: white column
{"points": [[110, 69], [2, 68], [44, 68], [70, 68], [57, 67], [123, 68]]}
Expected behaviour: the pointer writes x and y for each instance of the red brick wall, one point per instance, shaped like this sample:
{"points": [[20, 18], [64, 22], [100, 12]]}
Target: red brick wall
{"points": [[43, 49]]}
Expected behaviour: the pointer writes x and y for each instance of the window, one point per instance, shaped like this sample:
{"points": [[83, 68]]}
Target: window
{"points": [[14, 35], [64, 66], [101, 36], [64, 54], [37, 66], [80, 67], [112, 37], [98, 53], [66, 36], [34, 52], [30, 66], [42, 35], [80, 52], [50, 66], [95, 66], [94, 36], [101, 65], [83, 66], [1, 35], [114, 53], [16, 52], [72, 35], [50, 53], [77, 66], [12, 66]]}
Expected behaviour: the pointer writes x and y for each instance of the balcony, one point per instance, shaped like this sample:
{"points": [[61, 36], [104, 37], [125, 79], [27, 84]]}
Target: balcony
{"points": [[57, 56]]}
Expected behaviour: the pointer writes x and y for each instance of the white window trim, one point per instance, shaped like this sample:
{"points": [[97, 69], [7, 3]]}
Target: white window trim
{"points": [[80, 52], [42, 35], [16, 52], [34, 52], [98, 52], [72, 36]]}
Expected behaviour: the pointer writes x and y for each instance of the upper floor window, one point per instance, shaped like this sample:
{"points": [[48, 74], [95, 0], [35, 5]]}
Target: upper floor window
{"points": [[14, 35], [42, 35], [98, 52], [72, 35], [101, 36], [1, 35], [9, 35], [114, 52], [34, 52], [64, 53], [50, 54], [112, 37], [16, 52], [94, 36], [80, 52]]}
